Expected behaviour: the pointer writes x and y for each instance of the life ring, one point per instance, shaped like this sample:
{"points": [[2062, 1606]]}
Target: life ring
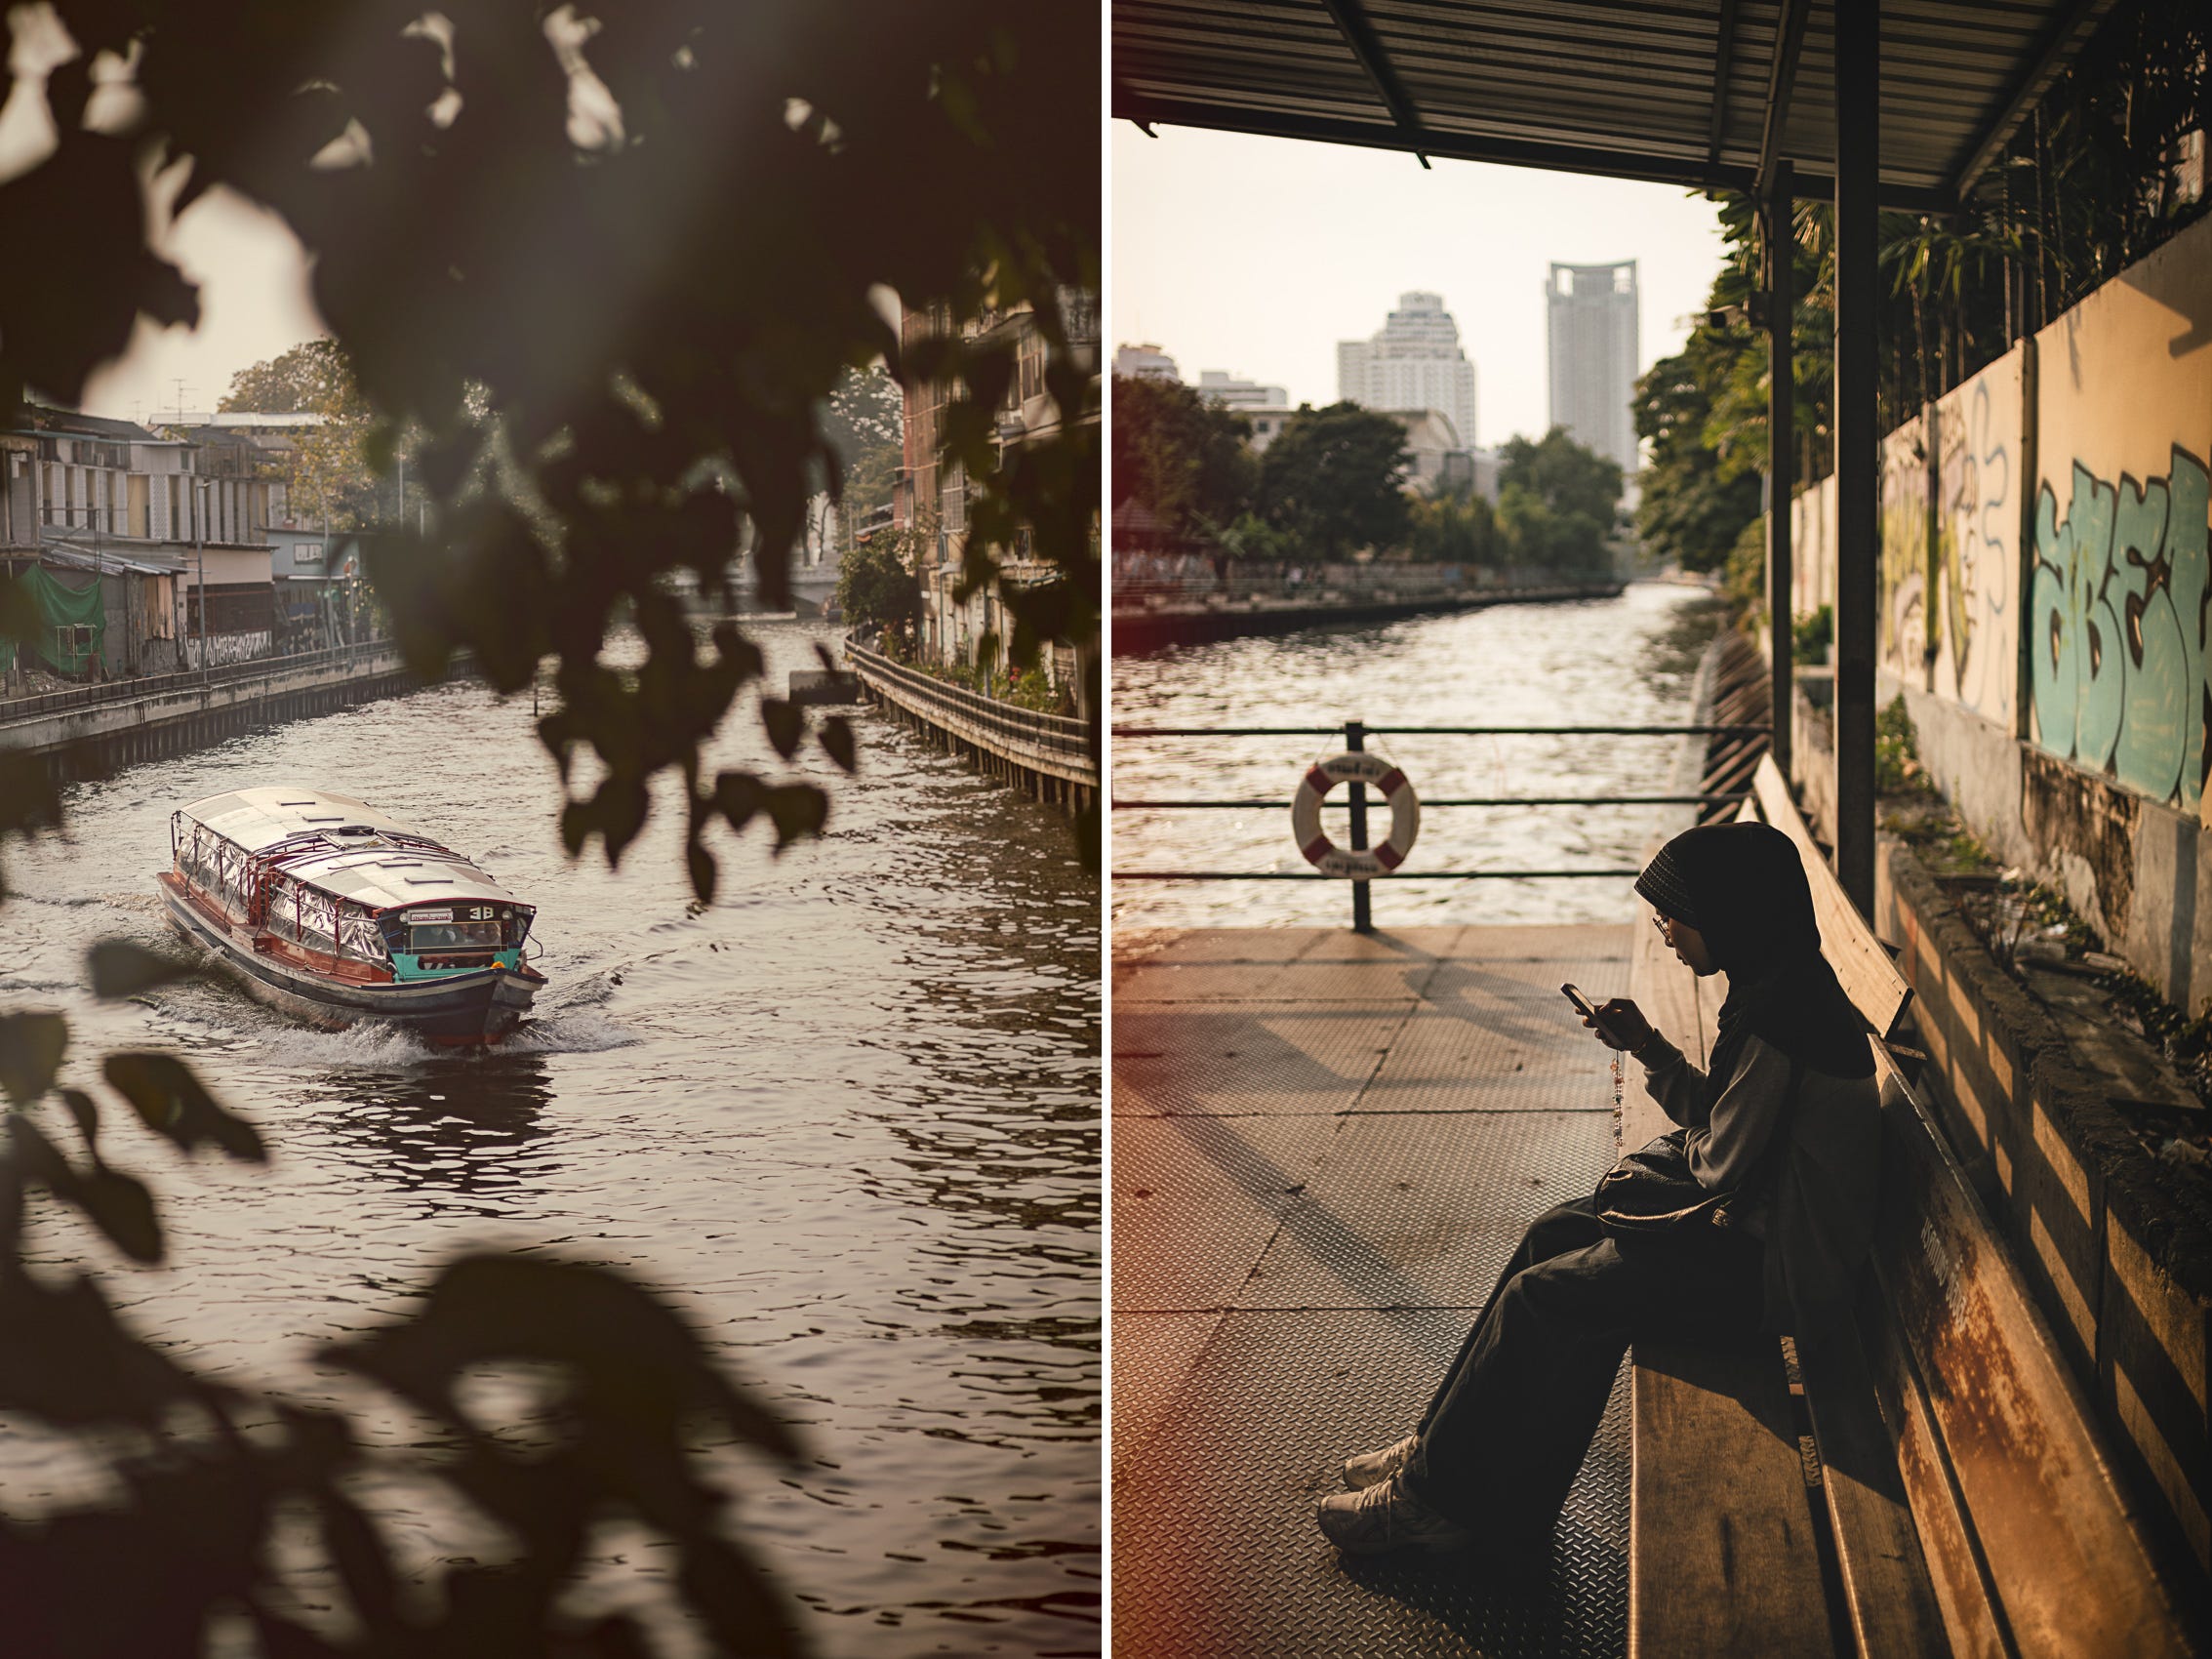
{"points": [[1355, 766]]}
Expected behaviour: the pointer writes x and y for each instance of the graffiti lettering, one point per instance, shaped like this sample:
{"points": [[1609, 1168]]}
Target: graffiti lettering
{"points": [[1973, 539], [2119, 620], [1906, 621]]}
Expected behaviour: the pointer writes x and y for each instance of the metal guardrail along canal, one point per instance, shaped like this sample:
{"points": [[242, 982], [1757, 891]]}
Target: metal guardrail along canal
{"points": [[1355, 734]]}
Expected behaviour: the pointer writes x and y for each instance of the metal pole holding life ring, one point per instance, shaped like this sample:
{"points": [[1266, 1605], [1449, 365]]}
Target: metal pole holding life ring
{"points": [[1354, 862]]}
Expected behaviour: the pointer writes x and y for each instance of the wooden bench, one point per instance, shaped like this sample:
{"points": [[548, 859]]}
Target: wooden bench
{"points": [[1928, 1481]]}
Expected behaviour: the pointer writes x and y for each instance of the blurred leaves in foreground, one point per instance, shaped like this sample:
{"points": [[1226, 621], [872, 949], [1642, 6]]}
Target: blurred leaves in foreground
{"points": [[601, 277], [227, 1508], [598, 274]]}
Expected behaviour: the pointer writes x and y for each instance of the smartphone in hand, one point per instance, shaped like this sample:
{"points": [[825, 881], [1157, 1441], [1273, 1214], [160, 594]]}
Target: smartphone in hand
{"points": [[1583, 1007]]}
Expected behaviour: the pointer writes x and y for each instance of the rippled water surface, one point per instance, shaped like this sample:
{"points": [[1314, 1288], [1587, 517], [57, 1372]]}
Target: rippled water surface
{"points": [[846, 1119], [1628, 660]]}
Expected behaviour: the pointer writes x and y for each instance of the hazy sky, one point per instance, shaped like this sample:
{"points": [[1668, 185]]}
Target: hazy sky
{"points": [[1258, 255], [254, 305]]}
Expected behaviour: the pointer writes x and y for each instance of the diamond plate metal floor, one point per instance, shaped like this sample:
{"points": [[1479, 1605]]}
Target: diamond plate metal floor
{"points": [[1324, 1147]]}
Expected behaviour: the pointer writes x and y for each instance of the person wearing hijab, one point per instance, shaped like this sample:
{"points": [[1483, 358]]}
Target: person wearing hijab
{"points": [[1786, 1120]]}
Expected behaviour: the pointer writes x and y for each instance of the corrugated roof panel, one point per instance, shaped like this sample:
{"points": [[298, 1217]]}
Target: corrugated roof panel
{"points": [[1594, 85]]}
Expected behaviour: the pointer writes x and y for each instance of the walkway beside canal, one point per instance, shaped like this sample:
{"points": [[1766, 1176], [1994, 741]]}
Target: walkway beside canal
{"points": [[119, 722], [1324, 1147], [1140, 625]]}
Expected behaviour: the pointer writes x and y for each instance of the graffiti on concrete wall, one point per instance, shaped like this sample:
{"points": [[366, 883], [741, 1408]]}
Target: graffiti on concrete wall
{"points": [[1904, 572], [2117, 627], [1978, 429], [1812, 547]]}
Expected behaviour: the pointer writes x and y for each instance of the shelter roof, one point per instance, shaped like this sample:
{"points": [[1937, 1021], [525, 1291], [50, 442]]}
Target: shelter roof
{"points": [[344, 846], [44, 418], [1701, 93]]}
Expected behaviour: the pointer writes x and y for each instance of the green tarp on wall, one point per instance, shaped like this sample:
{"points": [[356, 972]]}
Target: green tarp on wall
{"points": [[72, 622]]}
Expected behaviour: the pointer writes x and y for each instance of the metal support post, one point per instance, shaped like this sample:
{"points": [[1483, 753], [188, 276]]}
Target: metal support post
{"points": [[1781, 451], [1362, 913], [1858, 129]]}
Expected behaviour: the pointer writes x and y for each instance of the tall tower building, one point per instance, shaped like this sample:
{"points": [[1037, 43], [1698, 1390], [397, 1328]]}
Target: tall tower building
{"points": [[1414, 363], [1595, 350]]}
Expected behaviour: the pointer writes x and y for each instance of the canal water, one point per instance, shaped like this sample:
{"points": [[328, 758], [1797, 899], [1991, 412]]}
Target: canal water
{"points": [[846, 1119], [1625, 660]]}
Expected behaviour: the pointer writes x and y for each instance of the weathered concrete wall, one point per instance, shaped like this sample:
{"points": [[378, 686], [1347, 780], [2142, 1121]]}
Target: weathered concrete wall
{"points": [[1901, 638], [1976, 554], [1812, 547], [2088, 444], [2120, 1265], [2117, 604]]}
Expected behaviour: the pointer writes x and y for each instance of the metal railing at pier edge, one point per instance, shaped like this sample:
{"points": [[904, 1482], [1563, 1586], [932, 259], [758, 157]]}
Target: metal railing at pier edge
{"points": [[123, 690], [1355, 734]]}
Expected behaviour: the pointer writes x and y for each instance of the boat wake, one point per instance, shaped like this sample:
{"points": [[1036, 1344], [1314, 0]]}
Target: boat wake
{"points": [[573, 1030]]}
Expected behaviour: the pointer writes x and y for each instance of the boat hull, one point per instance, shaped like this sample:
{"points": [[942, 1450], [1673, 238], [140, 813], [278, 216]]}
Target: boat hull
{"points": [[464, 1008]]}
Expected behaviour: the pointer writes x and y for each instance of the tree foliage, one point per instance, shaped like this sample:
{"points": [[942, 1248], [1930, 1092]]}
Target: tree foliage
{"points": [[1456, 526], [1187, 459], [331, 480], [2089, 184], [1556, 502], [610, 266], [876, 585], [1333, 479], [1691, 508], [606, 270]]}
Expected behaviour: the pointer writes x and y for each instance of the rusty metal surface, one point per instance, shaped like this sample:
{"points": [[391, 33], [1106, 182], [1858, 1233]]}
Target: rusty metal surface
{"points": [[1387, 980], [1422, 1211], [2053, 1534], [1224, 1059], [1152, 1353], [1536, 1038], [1296, 1258], [1215, 1548], [1197, 1201]]}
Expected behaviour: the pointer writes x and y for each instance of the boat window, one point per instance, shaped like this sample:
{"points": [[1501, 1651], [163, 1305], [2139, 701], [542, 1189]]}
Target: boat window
{"points": [[454, 936]]}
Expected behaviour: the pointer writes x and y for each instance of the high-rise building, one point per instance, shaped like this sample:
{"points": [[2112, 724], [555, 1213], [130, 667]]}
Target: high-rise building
{"points": [[1595, 350], [1218, 385], [1266, 407], [1414, 363], [1145, 363]]}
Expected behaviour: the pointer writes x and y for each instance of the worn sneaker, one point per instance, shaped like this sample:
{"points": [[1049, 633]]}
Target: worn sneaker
{"points": [[1370, 1468], [1386, 1517]]}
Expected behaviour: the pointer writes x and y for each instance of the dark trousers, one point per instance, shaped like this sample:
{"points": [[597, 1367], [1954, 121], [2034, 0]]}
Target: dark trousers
{"points": [[1501, 1441]]}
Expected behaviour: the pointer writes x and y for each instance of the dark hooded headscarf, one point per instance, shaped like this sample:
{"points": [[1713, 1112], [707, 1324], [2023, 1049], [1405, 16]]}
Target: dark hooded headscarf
{"points": [[1743, 887]]}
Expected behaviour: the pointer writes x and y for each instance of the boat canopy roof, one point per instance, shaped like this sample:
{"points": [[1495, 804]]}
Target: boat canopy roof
{"points": [[345, 847]]}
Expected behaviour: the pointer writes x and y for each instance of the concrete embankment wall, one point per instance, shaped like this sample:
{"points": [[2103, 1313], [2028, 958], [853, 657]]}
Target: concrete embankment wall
{"points": [[2118, 1255], [1140, 630], [2042, 584], [115, 724]]}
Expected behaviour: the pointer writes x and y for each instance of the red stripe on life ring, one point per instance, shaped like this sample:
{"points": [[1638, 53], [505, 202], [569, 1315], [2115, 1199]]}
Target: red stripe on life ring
{"points": [[1318, 781], [1391, 782], [1316, 849], [1389, 857]]}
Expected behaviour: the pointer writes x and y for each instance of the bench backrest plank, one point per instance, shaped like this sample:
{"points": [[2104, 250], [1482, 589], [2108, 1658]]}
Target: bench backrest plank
{"points": [[1869, 977], [2058, 1556]]}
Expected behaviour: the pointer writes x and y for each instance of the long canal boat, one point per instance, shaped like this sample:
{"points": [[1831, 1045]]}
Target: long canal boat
{"points": [[331, 911]]}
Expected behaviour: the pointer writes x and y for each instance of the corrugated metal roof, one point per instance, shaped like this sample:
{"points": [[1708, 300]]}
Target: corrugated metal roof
{"points": [[1676, 91], [366, 856]]}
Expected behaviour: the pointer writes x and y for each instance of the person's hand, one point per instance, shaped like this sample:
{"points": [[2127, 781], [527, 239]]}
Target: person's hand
{"points": [[1620, 1024]]}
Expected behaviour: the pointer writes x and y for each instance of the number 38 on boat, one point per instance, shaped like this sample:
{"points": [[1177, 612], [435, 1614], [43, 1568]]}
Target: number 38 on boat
{"points": [[332, 912]]}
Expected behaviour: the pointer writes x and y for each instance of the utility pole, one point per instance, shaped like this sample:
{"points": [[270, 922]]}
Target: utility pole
{"points": [[199, 548]]}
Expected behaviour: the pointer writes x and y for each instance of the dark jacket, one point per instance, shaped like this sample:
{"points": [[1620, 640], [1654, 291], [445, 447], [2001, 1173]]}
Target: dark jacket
{"points": [[1817, 1214]]}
